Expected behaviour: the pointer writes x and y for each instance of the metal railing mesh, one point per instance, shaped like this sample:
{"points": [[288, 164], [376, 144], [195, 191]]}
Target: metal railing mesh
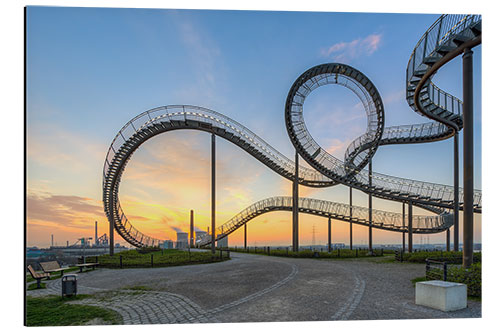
{"points": [[381, 219]]}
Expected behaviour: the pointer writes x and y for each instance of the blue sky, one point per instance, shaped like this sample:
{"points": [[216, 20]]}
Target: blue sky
{"points": [[90, 70]]}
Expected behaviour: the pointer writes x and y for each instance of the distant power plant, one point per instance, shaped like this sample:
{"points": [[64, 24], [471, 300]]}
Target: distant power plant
{"points": [[182, 240], [199, 235], [168, 244], [222, 242]]}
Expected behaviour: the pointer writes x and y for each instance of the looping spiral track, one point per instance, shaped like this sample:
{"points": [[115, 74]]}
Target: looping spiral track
{"points": [[356, 157]]}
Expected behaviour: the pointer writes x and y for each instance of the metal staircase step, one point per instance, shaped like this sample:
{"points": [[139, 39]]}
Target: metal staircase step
{"points": [[444, 49], [476, 28], [419, 73], [459, 39], [431, 60]]}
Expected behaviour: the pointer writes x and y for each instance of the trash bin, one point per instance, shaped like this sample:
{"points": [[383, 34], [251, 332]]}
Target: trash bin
{"points": [[68, 284]]}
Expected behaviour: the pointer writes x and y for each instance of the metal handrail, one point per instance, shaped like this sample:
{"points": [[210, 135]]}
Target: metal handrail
{"points": [[440, 33], [381, 219]]}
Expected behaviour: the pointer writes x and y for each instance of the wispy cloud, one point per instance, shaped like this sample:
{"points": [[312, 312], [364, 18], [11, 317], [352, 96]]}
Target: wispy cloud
{"points": [[203, 54], [337, 147], [346, 51], [69, 210], [68, 217]]}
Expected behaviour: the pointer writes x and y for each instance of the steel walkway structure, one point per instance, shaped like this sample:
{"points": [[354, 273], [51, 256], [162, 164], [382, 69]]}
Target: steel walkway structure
{"points": [[441, 43]]}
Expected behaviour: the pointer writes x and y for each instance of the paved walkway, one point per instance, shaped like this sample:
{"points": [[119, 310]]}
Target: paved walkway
{"points": [[257, 288]]}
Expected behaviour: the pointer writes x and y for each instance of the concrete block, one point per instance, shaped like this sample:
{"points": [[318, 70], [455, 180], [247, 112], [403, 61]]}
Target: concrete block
{"points": [[441, 295]]}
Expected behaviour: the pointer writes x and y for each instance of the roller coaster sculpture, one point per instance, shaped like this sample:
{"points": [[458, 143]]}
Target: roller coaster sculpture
{"points": [[443, 41]]}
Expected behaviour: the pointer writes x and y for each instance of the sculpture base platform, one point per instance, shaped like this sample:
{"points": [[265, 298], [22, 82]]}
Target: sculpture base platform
{"points": [[441, 295]]}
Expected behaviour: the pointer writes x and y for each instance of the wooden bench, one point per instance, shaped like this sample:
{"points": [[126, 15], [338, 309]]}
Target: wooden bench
{"points": [[91, 264], [51, 267], [37, 276]]}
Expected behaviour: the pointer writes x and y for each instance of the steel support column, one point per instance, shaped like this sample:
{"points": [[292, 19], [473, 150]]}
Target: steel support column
{"points": [[410, 227], [245, 232], [295, 206], [468, 159], [456, 227], [370, 217], [213, 194], [404, 227], [111, 238], [350, 217], [329, 234], [191, 229], [448, 239]]}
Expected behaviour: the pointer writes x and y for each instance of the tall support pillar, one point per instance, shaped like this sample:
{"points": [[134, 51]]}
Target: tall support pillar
{"points": [[410, 227], [111, 237], [245, 242], [468, 159], [191, 229], [456, 227], [448, 239], [370, 245], [350, 217], [213, 194], [329, 234], [295, 206], [404, 227]]}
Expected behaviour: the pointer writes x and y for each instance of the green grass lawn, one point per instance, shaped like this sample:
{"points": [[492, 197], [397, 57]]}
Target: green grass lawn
{"points": [[33, 286], [161, 258], [54, 311]]}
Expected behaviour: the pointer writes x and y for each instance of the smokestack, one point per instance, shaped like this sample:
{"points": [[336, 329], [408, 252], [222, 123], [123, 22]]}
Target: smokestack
{"points": [[95, 239], [191, 227], [52, 240]]}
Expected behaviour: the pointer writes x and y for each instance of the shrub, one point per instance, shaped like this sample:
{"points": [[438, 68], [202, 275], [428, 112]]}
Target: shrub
{"points": [[148, 249], [448, 256], [470, 276], [305, 253], [54, 311]]}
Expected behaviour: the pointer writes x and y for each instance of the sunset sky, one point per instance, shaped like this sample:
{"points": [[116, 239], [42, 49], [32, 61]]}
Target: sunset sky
{"points": [[90, 70]]}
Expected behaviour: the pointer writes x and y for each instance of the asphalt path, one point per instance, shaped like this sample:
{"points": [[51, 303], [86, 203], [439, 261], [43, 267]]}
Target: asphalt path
{"points": [[259, 288]]}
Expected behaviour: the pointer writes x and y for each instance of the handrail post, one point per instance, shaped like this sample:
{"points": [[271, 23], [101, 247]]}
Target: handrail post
{"points": [[439, 33]]}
